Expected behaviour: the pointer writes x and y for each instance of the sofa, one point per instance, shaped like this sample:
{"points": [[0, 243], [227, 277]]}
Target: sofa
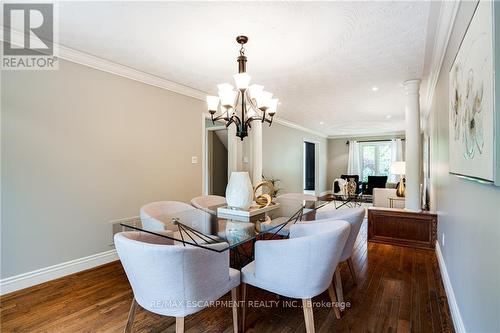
{"points": [[381, 198]]}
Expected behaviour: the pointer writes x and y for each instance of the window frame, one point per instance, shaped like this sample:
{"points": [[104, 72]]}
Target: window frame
{"points": [[377, 145]]}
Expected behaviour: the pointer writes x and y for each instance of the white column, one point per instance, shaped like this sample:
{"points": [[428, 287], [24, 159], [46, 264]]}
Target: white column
{"points": [[256, 144], [412, 117]]}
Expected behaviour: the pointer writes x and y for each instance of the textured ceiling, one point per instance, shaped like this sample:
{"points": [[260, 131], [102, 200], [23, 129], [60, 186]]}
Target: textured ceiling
{"points": [[320, 58]]}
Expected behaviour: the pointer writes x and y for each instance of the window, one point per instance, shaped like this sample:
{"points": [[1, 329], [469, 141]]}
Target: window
{"points": [[375, 159]]}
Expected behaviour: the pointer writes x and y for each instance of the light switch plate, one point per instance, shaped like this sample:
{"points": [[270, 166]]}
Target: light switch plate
{"points": [[194, 159], [245, 159]]}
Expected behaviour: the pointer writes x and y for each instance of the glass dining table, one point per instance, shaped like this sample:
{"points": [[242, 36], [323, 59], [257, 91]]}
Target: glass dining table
{"points": [[203, 229]]}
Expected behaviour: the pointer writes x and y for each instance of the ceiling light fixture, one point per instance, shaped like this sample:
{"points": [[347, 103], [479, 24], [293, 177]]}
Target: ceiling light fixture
{"points": [[374, 88], [388, 116], [252, 101], [321, 122]]}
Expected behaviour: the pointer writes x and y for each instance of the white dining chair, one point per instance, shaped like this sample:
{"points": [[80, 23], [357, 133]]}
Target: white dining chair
{"points": [[289, 205], [174, 280], [156, 216], [205, 202], [355, 218], [300, 267]]}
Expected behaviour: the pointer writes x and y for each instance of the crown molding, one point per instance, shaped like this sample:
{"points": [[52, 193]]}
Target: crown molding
{"points": [[104, 65], [447, 14], [298, 127], [372, 135]]}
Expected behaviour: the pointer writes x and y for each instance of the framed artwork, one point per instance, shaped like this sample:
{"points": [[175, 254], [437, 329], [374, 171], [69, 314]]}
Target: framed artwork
{"points": [[473, 121]]}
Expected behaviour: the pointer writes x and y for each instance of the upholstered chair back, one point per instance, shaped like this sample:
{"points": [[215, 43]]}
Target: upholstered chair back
{"points": [[355, 218], [204, 202], [172, 280], [289, 204], [157, 216], [302, 266]]}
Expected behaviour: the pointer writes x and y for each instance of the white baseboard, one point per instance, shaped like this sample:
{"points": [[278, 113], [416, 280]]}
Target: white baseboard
{"points": [[45, 274], [452, 301]]}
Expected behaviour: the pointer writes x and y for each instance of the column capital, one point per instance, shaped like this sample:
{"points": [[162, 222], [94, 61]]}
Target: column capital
{"points": [[412, 86]]}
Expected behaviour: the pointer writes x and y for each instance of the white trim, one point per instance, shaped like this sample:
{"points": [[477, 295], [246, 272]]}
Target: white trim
{"points": [[45, 274], [88, 60], [104, 65], [447, 14], [452, 301], [298, 127]]}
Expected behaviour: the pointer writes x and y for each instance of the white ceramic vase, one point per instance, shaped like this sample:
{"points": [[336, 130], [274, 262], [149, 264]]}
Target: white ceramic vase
{"points": [[239, 190]]}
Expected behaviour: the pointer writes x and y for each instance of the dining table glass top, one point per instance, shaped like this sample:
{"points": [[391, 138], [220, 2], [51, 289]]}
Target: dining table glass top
{"points": [[202, 228]]}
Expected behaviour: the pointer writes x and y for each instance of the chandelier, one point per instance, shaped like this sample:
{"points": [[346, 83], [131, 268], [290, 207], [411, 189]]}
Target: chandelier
{"points": [[245, 104]]}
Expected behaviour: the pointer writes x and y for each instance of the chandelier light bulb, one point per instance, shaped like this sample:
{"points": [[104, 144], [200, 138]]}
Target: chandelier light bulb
{"points": [[212, 103], [255, 90], [224, 87], [227, 97], [242, 80], [264, 99], [273, 106]]}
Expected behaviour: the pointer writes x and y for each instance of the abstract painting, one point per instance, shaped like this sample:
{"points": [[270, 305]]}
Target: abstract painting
{"points": [[471, 106]]}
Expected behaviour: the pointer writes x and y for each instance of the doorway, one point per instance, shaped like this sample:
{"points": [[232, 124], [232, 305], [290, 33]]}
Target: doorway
{"points": [[310, 167], [216, 145]]}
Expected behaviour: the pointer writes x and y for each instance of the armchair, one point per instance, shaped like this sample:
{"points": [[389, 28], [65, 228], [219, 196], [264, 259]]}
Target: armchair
{"points": [[155, 216], [355, 218], [293, 267], [174, 280], [374, 182]]}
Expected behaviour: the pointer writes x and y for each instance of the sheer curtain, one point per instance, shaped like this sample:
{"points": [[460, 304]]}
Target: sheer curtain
{"points": [[353, 163], [396, 155]]}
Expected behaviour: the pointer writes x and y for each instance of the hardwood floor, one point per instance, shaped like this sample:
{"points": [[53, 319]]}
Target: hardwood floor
{"points": [[399, 290]]}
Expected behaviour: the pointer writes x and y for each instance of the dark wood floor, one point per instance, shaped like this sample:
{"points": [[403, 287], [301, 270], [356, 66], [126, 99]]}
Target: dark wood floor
{"points": [[399, 290]]}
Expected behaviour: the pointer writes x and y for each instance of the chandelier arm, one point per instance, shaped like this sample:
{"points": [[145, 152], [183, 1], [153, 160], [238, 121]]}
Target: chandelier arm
{"points": [[263, 115], [249, 120], [235, 119], [221, 116], [253, 106]]}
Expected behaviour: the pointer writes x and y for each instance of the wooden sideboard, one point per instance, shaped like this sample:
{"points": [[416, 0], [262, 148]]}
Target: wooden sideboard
{"points": [[402, 227]]}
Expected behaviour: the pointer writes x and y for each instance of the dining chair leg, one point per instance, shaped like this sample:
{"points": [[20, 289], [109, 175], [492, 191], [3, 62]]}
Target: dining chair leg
{"points": [[234, 298], [333, 298], [351, 269], [243, 306], [338, 285], [131, 316], [308, 314], [179, 324]]}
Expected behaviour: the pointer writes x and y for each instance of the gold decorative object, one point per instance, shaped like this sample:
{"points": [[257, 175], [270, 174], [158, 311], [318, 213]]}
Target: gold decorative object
{"points": [[259, 223], [400, 191], [263, 200], [351, 186]]}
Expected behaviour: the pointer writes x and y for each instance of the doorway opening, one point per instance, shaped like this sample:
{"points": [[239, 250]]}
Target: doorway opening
{"points": [[309, 167], [216, 145]]}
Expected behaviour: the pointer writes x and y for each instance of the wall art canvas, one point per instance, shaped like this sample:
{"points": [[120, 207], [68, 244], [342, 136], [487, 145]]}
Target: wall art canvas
{"points": [[471, 105]]}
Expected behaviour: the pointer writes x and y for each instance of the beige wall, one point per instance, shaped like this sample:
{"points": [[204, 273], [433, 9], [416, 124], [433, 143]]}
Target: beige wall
{"points": [[282, 156], [469, 212], [338, 155], [81, 147]]}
